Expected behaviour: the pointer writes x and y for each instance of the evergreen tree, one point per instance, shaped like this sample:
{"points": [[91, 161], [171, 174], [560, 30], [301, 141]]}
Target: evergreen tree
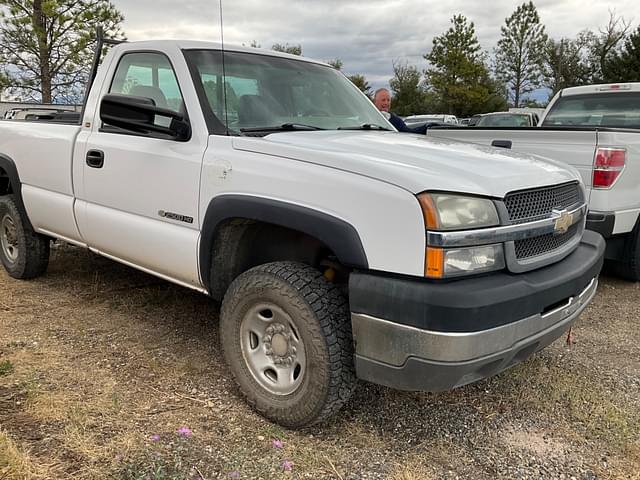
{"points": [[408, 94], [286, 48], [625, 66], [336, 63], [458, 75], [4, 82], [604, 45], [565, 64], [361, 82], [50, 43], [519, 53]]}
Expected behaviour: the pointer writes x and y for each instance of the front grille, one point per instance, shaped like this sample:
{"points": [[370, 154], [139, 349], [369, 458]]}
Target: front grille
{"points": [[532, 247], [537, 204]]}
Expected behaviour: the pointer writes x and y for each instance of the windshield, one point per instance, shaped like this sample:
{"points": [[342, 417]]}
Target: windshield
{"points": [[506, 120], [620, 110], [268, 91]]}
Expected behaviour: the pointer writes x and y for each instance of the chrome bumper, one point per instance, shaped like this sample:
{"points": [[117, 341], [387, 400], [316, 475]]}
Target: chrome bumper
{"points": [[409, 358]]}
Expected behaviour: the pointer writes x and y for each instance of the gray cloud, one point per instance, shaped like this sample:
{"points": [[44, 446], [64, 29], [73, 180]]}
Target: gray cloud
{"points": [[368, 37]]}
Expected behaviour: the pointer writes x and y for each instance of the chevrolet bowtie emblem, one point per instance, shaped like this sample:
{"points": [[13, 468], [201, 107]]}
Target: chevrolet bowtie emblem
{"points": [[563, 222]]}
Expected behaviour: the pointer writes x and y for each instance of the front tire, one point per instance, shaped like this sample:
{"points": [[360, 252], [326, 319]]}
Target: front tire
{"points": [[24, 253], [285, 333]]}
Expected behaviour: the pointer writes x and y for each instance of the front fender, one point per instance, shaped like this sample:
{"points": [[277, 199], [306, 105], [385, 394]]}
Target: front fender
{"points": [[341, 237]]}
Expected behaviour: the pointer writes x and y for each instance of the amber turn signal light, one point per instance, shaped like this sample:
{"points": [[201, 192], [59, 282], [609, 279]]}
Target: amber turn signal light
{"points": [[434, 262], [429, 211]]}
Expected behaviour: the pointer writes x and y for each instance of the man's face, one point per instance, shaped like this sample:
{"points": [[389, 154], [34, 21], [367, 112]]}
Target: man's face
{"points": [[383, 101]]}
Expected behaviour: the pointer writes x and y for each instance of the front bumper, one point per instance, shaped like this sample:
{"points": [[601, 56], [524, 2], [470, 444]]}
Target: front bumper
{"points": [[420, 335]]}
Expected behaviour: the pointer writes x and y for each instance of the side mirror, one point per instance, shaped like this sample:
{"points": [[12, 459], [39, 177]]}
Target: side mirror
{"points": [[140, 114]]}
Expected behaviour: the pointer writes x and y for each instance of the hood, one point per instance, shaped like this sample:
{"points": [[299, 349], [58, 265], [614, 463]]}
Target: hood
{"points": [[415, 162]]}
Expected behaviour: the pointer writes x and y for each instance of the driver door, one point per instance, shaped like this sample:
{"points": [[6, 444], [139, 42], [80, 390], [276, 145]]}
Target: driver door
{"points": [[139, 197]]}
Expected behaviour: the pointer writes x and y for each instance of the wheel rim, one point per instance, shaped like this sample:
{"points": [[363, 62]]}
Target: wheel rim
{"points": [[9, 239], [273, 349]]}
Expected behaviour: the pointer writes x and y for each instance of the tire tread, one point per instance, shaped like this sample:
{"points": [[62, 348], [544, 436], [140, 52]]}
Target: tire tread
{"points": [[331, 310], [34, 259]]}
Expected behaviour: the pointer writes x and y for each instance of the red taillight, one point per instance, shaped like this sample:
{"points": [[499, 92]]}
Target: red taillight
{"points": [[608, 166]]}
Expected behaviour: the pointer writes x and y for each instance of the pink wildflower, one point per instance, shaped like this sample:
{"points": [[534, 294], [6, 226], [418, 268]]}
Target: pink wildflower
{"points": [[185, 432], [277, 443], [155, 437], [234, 474], [287, 465]]}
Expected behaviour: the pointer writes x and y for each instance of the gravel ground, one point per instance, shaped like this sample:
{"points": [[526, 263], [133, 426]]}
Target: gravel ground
{"points": [[106, 372]]}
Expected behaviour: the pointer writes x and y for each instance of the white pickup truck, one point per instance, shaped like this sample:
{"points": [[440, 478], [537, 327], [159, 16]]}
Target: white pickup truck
{"points": [[596, 129], [340, 248]]}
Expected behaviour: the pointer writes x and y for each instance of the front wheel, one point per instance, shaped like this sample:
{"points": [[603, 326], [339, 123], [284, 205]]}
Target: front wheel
{"points": [[285, 332], [24, 253]]}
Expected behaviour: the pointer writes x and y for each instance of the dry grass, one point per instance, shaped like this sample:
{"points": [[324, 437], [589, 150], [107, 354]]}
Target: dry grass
{"points": [[412, 471], [15, 464], [96, 358], [541, 386]]}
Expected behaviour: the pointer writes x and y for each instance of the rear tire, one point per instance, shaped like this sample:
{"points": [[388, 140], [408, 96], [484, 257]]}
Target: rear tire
{"points": [[24, 253], [629, 266], [285, 333]]}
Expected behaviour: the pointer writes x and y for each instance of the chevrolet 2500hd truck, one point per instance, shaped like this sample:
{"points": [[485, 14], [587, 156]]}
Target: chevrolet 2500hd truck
{"points": [[339, 247], [595, 128]]}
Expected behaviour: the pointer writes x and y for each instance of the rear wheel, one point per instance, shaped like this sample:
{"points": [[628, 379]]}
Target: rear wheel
{"points": [[24, 253], [286, 335], [629, 266]]}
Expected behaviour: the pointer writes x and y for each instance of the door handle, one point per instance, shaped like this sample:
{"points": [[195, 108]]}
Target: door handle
{"points": [[501, 143], [95, 158]]}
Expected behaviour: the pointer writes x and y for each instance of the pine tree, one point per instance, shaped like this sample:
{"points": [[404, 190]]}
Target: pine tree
{"points": [[49, 43], [408, 94], [361, 82], [625, 66], [519, 54], [565, 64], [336, 63], [286, 48], [458, 75]]}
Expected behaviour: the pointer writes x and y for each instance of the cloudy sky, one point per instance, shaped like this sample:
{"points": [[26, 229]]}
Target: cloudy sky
{"points": [[367, 36]]}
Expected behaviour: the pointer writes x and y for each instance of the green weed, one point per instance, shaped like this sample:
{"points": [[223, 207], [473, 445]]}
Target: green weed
{"points": [[6, 368]]}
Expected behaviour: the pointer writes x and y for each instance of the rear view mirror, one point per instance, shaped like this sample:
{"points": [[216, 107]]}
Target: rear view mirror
{"points": [[140, 114]]}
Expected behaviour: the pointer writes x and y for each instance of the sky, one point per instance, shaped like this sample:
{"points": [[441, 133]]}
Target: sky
{"points": [[367, 36]]}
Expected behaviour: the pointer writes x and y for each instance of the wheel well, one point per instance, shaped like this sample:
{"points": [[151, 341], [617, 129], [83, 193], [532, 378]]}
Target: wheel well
{"points": [[240, 244], [5, 183]]}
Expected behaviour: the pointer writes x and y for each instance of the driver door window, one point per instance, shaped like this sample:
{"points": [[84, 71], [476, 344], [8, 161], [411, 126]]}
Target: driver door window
{"points": [[148, 75]]}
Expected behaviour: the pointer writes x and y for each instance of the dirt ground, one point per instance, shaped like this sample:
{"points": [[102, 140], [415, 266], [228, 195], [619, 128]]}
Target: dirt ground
{"points": [[106, 372]]}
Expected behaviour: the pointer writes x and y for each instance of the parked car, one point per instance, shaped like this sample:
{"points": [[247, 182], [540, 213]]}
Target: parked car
{"points": [[507, 119], [537, 111], [596, 129], [411, 119], [474, 120], [339, 248]]}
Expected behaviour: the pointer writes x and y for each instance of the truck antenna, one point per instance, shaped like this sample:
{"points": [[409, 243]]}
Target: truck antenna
{"points": [[224, 72]]}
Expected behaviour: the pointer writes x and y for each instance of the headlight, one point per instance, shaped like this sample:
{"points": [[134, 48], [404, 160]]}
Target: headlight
{"points": [[454, 262], [444, 211]]}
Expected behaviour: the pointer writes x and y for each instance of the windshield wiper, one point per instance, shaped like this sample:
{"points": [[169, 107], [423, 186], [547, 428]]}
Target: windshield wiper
{"points": [[285, 127], [366, 126]]}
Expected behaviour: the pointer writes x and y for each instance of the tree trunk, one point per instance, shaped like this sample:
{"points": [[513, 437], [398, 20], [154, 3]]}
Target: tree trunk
{"points": [[40, 28]]}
